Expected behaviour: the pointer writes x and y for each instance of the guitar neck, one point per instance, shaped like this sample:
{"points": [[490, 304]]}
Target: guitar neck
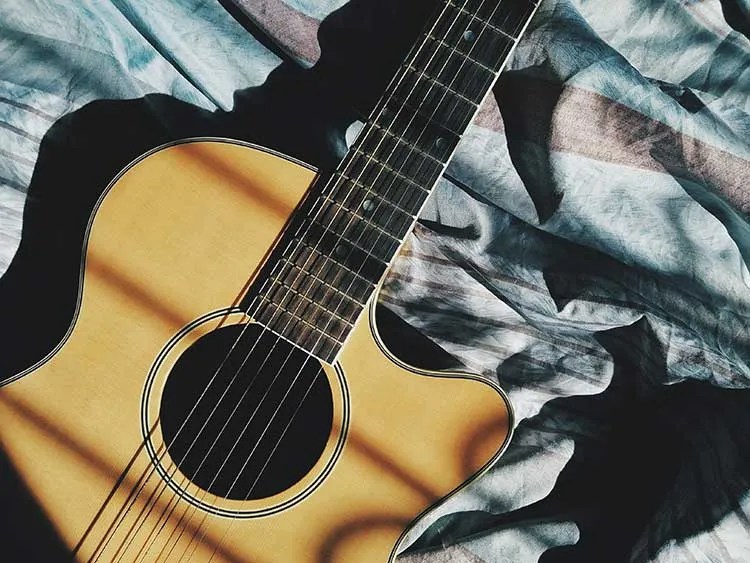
{"points": [[333, 257]]}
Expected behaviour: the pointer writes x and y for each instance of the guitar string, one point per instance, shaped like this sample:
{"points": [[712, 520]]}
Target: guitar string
{"points": [[359, 238], [103, 549], [271, 421], [462, 64], [268, 425], [299, 406]]}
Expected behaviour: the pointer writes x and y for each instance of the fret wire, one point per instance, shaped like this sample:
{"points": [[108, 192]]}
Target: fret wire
{"points": [[357, 273], [410, 134], [504, 55], [484, 22], [483, 47], [393, 223], [411, 146], [326, 228], [300, 323], [344, 267], [520, 24], [450, 124], [377, 195], [260, 309], [455, 111], [393, 207], [363, 219], [292, 327], [516, 12], [410, 215], [399, 176], [447, 46], [416, 96], [451, 113], [271, 277], [416, 189], [402, 222], [354, 260], [403, 177], [397, 173], [321, 282], [415, 101], [444, 67], [388, 190], [368, 264], [414, 131], [486, 25], [310, 302], [434, 80], [354, 305], [361, 239], [279, 333], [393, 188], [341, 238]]}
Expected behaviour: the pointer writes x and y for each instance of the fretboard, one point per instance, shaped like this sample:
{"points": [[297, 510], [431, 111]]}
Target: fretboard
{"points": [[334, 253]]}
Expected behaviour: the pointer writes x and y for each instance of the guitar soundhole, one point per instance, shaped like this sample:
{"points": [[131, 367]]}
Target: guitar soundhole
{"points": [[245, 421]]}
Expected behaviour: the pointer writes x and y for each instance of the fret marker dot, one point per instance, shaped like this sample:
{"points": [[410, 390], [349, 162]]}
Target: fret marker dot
{"points": [[469, 36], [368, 205], [440, 143], [340, 251]]}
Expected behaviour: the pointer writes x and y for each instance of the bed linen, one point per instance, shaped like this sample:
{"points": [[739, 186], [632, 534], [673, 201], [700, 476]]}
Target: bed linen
{"points": [[588, 249]]}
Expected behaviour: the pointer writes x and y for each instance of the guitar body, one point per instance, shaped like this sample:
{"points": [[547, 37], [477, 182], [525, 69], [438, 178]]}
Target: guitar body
{"points": [[171, 250]]}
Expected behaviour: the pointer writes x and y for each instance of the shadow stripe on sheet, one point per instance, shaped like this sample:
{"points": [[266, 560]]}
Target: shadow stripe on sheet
{"points": [[20, 132], [17, 158], [26, 107], [12, 184]]}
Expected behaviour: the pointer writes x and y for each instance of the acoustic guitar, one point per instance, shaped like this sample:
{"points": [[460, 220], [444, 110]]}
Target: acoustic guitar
{"points": [[222, 393]]}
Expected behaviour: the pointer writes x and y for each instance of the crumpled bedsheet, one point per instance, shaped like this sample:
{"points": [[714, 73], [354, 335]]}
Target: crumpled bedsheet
{"points": [[588, 249]]}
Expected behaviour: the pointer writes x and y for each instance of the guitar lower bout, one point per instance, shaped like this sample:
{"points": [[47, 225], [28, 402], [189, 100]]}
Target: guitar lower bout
{"points": [[169, 426]]}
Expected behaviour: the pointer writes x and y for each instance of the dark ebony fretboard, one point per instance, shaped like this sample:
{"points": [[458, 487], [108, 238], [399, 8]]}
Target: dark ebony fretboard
{"points": [[330, 259]]}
